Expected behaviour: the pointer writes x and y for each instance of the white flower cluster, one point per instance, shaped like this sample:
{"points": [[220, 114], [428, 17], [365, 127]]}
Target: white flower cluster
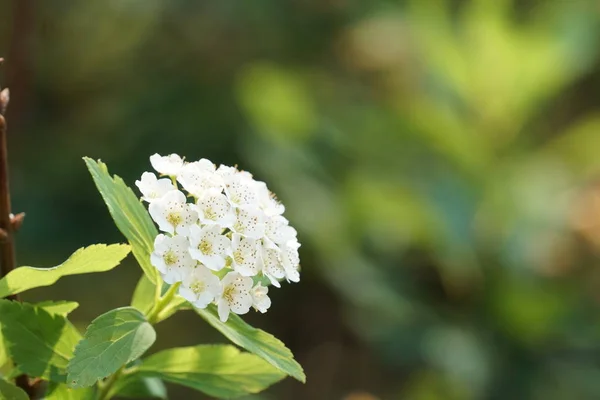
{"points": [[232, 231]]}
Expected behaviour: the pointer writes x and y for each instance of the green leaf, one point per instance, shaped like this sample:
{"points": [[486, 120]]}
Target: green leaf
{"points": [[95, 258], [3, 355], [40, 343], [111, 341], [8, 391], [60, 391], [62, 307], [135, 386], [256, 341], [144, 295], [129, 214], [219, 371]]}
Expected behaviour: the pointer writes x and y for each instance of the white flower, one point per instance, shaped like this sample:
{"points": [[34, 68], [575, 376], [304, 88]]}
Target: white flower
{"points": [[171, 257], [199, 176], [277, 229], [249, 222], [272, 266], [267, 200], [235, 295], [199, 286], [209, 246], [240, 190], [291, 260], [167, 165], [213, 208], [260, 300], [153, 188], [245, 256], [172, 213]]}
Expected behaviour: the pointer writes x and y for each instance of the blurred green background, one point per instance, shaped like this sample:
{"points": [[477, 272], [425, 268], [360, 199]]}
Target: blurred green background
{"points": [[440, 160]]}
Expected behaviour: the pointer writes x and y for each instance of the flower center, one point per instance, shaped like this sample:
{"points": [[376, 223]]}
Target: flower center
{"points": [[228, 293], [209, 213], [170, 257], [238, 257], [174, 218], [198, 287], [239, 227], [205, 247]]}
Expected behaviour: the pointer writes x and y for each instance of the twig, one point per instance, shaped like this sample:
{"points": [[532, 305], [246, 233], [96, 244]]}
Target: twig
{"points": [[9, 223]]}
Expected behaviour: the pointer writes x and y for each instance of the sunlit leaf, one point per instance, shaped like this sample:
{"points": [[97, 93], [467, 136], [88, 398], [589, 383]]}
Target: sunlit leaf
{"points": [[255, 341], [60, 391], [219, 371], [95, 258], [129, 214], [62, 307]]}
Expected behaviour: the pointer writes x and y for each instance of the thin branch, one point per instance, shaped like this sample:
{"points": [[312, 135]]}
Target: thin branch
{"points": [[9, 223]]}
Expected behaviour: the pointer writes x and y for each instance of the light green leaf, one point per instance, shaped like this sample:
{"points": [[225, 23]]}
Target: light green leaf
{"points": [[3, 355], [256, 341], [40, 343], [60, 391], [8, 391], [111, 341], [135, 386], [144, 295], [62, 307], [219, 371], [129, 214], [95, 258]]}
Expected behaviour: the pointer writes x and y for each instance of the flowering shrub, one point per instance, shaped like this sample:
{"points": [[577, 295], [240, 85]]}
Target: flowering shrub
{"points": [[218, 246], [223, 241]]}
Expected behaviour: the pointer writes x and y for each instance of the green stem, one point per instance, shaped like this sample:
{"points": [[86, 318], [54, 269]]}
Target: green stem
{"points": [[162, 303], [104, 391]]}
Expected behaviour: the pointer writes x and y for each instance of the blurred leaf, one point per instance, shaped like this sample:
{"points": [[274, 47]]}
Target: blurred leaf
{"points": [[129, 214], [95, 258], [219, 371], [40, 343], [135, 386], [111, 341], [60, 391], [277, 101], [255, 341], [8, 391], [62, 308]]}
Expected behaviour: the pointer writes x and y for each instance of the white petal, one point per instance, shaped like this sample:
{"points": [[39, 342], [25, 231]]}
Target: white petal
{"points": [[245, 255], [241, 303], [168, 165], [249, 222], [223, 307]]}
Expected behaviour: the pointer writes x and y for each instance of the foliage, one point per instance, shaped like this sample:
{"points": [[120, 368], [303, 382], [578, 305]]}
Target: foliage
{"points": [[40, 341]]}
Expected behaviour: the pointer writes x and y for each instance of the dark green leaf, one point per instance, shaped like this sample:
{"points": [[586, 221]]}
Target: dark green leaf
{"points": [[40, 343], [8, 391], [255, 341], [219, 371], [111, 341], [129, 214]]}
